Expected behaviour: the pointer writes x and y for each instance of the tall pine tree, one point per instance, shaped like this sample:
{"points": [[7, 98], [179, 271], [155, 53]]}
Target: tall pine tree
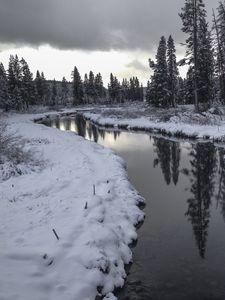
{"points": [[199, 50], [172, 71], [78, 93], [4, 95], [27, 86], [158, 93]]}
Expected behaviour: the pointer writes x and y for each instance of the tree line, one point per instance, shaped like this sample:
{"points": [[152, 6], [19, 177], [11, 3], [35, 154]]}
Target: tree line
{"points": [[91, 89], [205, 57], [19, 89]]}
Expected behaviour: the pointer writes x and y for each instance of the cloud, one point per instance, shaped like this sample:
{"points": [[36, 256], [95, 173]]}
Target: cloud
{"points": [[137, 65], [91, 24]]}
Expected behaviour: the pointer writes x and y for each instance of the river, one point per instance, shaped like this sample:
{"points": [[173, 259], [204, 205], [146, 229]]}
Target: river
{"points": [[180, 253]]}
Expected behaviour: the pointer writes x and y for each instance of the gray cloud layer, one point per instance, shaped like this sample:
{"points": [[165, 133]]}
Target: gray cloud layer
{"points": [[91, 24]]}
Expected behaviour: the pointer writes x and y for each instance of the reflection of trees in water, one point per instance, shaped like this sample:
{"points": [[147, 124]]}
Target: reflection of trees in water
{"points": [[95, 134], [203, 166], [116, 134], [168, 156], [221, 186], [57, 123], [175, 161], [81, 125], [203, 161]]}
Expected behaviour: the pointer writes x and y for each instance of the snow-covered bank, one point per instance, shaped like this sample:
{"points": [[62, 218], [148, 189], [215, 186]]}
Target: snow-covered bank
{"points": [[94, 230], [181, 122]]}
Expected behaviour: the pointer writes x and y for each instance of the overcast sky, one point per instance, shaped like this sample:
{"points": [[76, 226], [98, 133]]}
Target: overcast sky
{"points": [[103, 35]]}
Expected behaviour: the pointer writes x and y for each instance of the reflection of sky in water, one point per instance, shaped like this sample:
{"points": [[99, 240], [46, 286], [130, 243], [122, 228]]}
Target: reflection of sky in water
{"points": [[126, 141], [73, 126], [54, 124], [62, 125]]}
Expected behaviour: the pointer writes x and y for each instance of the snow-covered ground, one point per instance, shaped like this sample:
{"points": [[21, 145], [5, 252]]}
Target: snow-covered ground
{"points": [[180, 122], [94, 230]]}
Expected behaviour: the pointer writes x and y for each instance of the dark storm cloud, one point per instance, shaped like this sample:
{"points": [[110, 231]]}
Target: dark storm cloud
{"points": [[91, 24]]}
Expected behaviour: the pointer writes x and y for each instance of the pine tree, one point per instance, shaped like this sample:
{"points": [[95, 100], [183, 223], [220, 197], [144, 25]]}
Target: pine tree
{"points": [[64, 91], [205, 66], [99, 88], [91, 91], [219, 28], [15, 82], [189, 87], [159, 95], [45, 89], [4, 95], [85, 86], [141, 93], [78, 93], [54, 93], [132, 89], [42, 89], [148, 92], [27, 86], [172, 71], [112, 88], [199, 50], [125, 89], [181, 83]]}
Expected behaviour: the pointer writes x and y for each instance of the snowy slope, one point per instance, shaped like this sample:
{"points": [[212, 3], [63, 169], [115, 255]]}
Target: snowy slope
{"points": [[94, 230]]}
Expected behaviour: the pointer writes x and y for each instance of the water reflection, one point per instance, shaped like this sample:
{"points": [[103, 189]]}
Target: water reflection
{"points": [[168, 156], [202, 175], [221, 185], [181, 250]]}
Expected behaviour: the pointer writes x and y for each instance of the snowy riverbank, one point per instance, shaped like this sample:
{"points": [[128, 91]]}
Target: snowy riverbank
{"points": [[94, 230], [181, 122]]}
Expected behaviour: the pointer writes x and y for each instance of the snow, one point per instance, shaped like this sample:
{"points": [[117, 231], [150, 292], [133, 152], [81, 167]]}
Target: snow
{"points": [[94, 230], [183, 122]]}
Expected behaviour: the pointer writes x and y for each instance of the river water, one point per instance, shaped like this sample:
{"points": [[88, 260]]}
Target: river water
{"points": [[180, 253]]}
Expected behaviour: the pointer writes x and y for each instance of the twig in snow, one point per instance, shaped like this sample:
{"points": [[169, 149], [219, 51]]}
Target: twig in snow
{"points": [[55, 233], [93, 189]]}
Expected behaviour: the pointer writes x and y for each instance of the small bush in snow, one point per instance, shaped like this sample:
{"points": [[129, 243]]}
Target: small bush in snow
{"points": [[14, 158]]}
